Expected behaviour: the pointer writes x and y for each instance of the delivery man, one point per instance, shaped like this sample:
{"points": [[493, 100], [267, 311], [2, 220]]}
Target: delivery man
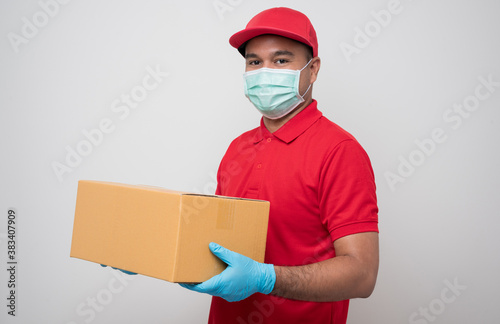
{"points": [[322, 244]]}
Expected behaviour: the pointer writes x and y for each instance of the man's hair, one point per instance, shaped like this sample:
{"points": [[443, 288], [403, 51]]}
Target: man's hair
{"points": [[309, 52]]}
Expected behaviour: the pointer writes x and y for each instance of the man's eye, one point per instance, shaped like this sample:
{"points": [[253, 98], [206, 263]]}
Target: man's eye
{"points": [[253, 63], [281, 61]]}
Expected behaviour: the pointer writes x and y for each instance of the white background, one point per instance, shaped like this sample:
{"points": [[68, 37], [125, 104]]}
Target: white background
{"points": [[59, 79]]}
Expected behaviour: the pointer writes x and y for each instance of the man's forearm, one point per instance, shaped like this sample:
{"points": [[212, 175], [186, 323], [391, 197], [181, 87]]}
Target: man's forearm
{"points": [[351, 274], [335, 279]]}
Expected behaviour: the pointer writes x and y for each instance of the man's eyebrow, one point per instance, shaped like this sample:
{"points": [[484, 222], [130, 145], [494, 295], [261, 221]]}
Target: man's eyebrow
{"points": [[251, 55], [283, 53], [277, 53]]}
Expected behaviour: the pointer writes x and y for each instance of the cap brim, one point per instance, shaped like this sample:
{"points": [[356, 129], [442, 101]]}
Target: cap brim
{"points": [[243, 36]]}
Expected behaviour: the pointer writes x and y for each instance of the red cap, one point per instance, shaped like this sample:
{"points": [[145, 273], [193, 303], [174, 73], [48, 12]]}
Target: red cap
{"points": [[284, 22]]}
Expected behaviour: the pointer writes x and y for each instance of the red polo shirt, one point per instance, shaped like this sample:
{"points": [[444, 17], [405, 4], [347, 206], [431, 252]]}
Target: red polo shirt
{"points": [[321, 186]]}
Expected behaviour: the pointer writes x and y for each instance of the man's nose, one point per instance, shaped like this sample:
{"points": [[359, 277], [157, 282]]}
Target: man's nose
{"points": [[267, 64]]}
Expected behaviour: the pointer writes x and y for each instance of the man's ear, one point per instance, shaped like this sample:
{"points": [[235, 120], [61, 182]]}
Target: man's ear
{"points": [[315, 65]]}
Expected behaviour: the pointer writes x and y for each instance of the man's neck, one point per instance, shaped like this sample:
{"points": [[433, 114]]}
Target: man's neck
{"points": [[273, 125]]}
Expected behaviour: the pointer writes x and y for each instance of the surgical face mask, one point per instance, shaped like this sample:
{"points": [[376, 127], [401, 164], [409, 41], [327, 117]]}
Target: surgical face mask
{"points": [[274, 92]]}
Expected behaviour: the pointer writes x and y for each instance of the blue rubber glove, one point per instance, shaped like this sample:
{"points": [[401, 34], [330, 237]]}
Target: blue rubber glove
{"points": [[124, 271], [242, 277]]}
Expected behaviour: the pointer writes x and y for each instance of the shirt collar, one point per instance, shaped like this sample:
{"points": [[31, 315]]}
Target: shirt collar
{"points": [[294, 127]]}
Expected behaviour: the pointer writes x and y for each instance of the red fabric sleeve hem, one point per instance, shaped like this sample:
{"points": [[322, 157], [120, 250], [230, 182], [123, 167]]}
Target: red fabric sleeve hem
{"points": [[353, 228]]}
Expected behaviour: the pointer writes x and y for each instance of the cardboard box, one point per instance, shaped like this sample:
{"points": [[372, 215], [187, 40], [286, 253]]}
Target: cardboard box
{"points": [[163, 233]]}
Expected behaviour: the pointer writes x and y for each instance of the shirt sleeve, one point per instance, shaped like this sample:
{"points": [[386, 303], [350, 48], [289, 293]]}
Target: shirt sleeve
{"points": [[347, 197]]}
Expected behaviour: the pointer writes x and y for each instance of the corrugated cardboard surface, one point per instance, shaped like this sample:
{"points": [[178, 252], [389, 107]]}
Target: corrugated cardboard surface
{"points": [[163, 233]]}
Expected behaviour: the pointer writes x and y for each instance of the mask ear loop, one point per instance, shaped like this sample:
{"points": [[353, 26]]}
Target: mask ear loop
{"points": [[306, 65], [309, 87], [302, 96]]}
